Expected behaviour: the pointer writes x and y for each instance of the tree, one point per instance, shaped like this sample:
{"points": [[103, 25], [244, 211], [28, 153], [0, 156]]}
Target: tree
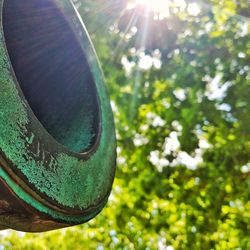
{"points": [[179, 81]]}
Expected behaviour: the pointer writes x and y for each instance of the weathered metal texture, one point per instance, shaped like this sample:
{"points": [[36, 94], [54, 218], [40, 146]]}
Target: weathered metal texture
{"points": [[46, 180], [15, 213]]}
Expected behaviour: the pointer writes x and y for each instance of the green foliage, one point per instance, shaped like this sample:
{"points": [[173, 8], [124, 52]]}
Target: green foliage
{"points": [[182, 127]]}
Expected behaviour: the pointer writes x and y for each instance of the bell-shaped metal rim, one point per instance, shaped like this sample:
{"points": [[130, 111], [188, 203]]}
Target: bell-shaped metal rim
{"points": [[68, 186]]}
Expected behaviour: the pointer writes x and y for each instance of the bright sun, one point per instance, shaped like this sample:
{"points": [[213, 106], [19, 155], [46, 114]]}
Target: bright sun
{"points": [[162, 6], [158, 6]]}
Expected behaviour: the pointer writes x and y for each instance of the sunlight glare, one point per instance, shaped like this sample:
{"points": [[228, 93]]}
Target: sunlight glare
{"points": [[160, 7]]}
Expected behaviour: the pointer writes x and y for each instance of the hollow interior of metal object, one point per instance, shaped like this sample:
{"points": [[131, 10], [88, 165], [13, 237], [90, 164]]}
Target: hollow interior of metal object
{"points": [[52, 71]]}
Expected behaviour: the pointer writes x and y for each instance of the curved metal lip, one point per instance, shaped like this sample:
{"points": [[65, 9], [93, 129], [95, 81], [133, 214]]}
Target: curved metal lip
{"points": [[73, 212], [40, 197], [83, 155]]}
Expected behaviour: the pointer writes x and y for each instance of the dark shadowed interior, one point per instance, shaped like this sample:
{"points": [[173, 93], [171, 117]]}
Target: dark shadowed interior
{"points": [[52, 71]]}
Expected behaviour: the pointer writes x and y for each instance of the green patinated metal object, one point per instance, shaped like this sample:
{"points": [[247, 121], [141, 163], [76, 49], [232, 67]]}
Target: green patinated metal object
{"points": [[57, 137]]}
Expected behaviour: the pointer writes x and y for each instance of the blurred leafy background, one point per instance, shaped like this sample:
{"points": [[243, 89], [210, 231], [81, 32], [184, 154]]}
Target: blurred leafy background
{"points": [[179, 80]]}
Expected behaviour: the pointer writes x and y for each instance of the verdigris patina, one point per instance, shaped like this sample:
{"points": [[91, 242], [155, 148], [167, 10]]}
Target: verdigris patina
{"points": [[57, 137]]}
